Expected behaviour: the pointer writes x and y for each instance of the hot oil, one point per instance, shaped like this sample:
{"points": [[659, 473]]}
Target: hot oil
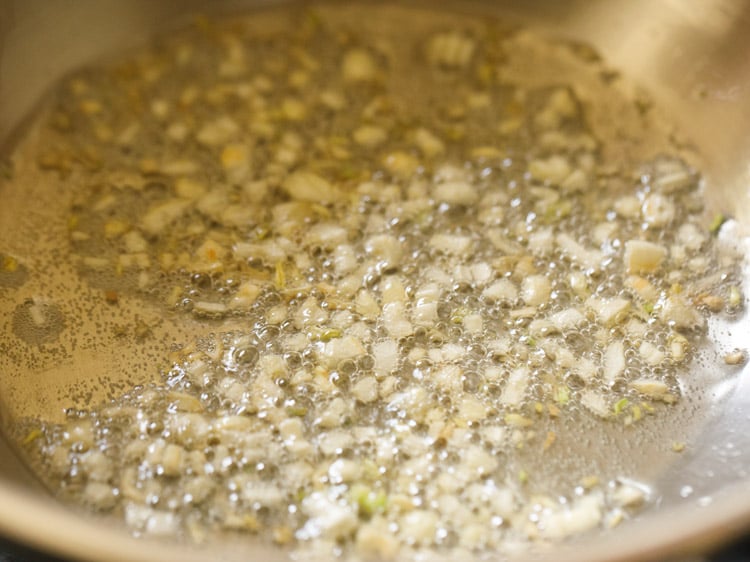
{"points": [[216, 118]]}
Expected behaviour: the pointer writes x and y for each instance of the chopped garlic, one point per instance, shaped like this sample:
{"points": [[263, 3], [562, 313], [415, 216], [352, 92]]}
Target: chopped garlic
{"points": [[370, 136], [651, 354], [327, 517], [587, 257], [643, 257], [673, 176], [161, 216], [366, 305], [503, 290], [366, 390], [515, 387], [393, 290], [737, 357], [473, 324], [579, 283], [326, 235], [675, 310], [643, 288], [652, 388], [455, 193], [553, 170], [535, 290], [595, 402], [428, 143], [658, 210], [135, 243], [401, 164], [386, 248], [307, 186], [375, 539], [451, 244], [628, 495], [541, 242], [395, 321], [209, 308], [628, 206], [609, 311], [584, 514], [450, 49], [246, 295], [358, 66], [614, 361], [678, 348], [235, 159], [217, 132], [567, 319], [471, 409]]}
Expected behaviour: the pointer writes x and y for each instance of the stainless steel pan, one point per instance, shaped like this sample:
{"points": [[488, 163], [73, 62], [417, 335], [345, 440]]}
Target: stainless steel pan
{"points": [[693, 56]]}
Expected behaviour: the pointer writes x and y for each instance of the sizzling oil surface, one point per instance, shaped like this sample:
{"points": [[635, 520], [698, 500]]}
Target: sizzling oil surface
{"points": [[367, 278]]}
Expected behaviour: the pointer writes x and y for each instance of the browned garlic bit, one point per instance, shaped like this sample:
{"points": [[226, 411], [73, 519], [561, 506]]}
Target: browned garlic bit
{"points": [[427, 266]]}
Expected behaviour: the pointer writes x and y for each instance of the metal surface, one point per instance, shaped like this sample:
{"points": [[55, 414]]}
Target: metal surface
{"points": [[691, 55]]}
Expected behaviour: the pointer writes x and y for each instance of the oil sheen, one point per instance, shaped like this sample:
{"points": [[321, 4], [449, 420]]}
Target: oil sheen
{"points": [[432, 285]]}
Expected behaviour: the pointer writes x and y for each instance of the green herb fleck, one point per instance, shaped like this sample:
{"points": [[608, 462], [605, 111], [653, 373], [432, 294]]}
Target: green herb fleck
{"points": [[718, 220], [330, 334], [369, 501], [620, 406], [32, 436], [523, 476], [735, 297], [296, 411], [562, 395]]}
